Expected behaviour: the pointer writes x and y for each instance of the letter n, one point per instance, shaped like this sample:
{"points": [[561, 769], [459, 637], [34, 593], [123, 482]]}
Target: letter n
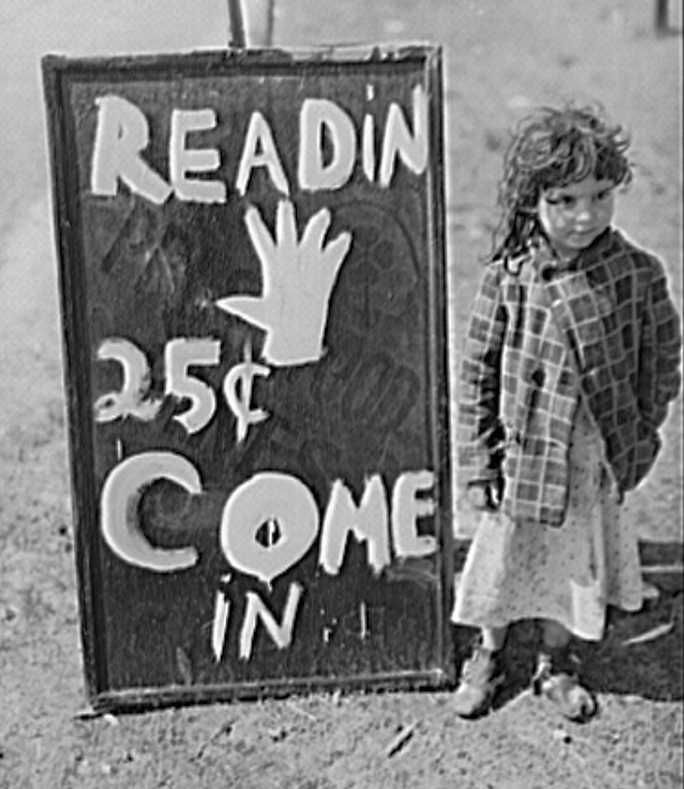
{"points": [[412, 149], [256, 609]]}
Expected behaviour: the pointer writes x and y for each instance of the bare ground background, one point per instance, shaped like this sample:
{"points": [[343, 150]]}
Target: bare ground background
{"points": [[501, 58]]}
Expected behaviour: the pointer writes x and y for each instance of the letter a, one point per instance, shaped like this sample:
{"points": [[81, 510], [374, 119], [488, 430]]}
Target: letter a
{"points": [[259, 135]]}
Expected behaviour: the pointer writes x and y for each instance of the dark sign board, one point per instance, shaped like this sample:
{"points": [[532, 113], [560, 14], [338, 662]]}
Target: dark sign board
{"points": [[253, 299]]}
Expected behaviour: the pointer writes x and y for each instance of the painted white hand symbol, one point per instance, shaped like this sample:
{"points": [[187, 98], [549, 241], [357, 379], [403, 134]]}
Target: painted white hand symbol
{"points": [[298, 278]]}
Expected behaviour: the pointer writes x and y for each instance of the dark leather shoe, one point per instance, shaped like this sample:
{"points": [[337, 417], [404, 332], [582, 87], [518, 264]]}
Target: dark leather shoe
{"points": [[557, 679], [481, 677]]}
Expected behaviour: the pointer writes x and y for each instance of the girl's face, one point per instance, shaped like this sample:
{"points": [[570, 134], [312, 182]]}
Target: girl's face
{"points": [[574, 215]]}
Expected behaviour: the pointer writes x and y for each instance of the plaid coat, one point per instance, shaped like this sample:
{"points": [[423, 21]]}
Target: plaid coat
{"points": [[539, 338]]}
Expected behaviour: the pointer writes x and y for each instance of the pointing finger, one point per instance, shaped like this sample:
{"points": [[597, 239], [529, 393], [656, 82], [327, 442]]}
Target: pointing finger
{"points": [[286, 225], [259, 235], [316, 228]]}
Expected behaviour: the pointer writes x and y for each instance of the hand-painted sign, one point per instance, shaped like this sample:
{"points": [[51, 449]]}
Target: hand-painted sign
{"points": [[253, 300]]}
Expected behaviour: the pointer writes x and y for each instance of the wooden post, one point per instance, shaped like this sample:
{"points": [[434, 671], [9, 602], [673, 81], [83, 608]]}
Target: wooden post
{"points": [[270, 23], [259, 22], [237, 25], [661, 17]]}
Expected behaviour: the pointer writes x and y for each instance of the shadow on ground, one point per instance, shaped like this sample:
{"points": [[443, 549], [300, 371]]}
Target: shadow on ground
{"points": [[640, 654]]}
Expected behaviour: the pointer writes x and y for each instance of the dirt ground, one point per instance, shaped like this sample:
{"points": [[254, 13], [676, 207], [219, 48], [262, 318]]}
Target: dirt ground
{"points": [[500, 59]]}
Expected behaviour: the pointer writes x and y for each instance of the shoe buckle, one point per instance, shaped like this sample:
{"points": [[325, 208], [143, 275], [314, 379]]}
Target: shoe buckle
{"points": [[543, 673]]}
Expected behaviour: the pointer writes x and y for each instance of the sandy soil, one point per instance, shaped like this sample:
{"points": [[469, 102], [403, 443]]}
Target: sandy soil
{"points": [[500, 59]]}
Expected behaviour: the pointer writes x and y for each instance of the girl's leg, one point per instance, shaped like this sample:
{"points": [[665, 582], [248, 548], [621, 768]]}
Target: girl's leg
{"points": [[554, 635], [557, 674], [481, 674], [493, 638]]}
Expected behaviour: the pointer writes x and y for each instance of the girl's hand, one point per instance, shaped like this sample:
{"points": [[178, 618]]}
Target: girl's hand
{"points": [[484, 495]]}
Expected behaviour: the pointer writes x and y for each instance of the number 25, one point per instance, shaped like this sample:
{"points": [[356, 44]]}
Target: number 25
{"points": [[133, 398]]}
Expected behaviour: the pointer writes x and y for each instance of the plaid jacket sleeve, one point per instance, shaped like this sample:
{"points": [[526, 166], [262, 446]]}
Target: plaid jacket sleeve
{"points": [[479, 432], [660, 350]]}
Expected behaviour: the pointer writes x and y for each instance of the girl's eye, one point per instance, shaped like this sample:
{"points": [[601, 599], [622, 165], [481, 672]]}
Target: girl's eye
{"points": [[604, 195], [567, 201]]}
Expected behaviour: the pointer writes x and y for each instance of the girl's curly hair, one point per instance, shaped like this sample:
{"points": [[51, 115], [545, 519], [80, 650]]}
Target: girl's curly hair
{"points": [[552, 148]]}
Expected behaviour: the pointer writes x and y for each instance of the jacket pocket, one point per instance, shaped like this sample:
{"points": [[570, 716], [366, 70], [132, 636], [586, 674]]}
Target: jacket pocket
{"points": [[648, 444]]}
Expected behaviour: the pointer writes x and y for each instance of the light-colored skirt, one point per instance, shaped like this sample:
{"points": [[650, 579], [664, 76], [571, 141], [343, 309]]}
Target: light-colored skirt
{"points": [[568, 574]]}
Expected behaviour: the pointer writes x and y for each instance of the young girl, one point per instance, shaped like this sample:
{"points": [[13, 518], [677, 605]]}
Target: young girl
{"points": [[571, 358]]}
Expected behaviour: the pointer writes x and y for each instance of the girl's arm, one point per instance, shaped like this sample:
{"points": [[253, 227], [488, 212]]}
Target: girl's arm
{"points": [[479, 433], [660, 350]]}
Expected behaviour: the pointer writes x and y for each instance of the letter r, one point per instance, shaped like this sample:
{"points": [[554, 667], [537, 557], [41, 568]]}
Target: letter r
{"points": [[121, 134]]}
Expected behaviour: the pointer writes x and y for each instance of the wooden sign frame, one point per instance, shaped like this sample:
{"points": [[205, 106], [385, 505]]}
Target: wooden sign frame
{"points": [[178, 183]]}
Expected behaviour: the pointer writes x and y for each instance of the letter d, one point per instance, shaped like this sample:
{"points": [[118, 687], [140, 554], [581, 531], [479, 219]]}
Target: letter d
{"points": [[313, 173]]}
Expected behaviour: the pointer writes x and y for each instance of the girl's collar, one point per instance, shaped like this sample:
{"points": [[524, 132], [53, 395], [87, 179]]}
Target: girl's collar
{"points": [[548, 264], [545, 263]]}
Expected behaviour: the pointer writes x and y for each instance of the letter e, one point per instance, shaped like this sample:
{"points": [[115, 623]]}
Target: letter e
{"points": [[183, 160], [406, 509]]}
